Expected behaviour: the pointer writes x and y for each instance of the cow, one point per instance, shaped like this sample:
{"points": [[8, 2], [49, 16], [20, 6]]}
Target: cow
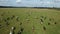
{"points": [[44, 28]]}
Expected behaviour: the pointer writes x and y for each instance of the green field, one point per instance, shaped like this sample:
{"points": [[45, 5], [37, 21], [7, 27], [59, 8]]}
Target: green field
{"points": [[32, 20]]}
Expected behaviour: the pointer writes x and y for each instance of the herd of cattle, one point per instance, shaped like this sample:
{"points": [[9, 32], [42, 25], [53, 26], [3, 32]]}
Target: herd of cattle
{"points": [[22, 29]]}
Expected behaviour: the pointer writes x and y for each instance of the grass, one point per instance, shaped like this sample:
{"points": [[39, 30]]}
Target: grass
{"points": [[30, 17]]}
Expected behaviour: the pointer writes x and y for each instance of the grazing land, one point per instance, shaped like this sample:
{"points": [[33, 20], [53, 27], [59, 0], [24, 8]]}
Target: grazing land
{"points": [[29, 21]]}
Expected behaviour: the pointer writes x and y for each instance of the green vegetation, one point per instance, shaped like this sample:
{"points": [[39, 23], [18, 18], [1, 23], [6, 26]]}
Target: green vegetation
{"points": [[29, 21]]}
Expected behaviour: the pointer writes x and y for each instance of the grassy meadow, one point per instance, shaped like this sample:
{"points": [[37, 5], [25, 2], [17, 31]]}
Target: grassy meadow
{"points": [[32, 20]]}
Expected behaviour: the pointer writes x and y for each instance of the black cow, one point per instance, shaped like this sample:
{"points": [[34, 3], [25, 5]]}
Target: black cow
{"points": [[48, 23], [12, 16], [22, 29], [55, 23], [8, 18], [41, 20], [7, 23], [42, 16], [17, 18], [19, 32], [44, 28], [21, 23]]}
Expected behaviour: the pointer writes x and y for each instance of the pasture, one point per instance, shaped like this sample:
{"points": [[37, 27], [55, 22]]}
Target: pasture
{"points": [[29, 21]]}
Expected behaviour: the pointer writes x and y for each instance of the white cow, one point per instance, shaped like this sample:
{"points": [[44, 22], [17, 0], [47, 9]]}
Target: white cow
{"points": [[11, 32]]}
